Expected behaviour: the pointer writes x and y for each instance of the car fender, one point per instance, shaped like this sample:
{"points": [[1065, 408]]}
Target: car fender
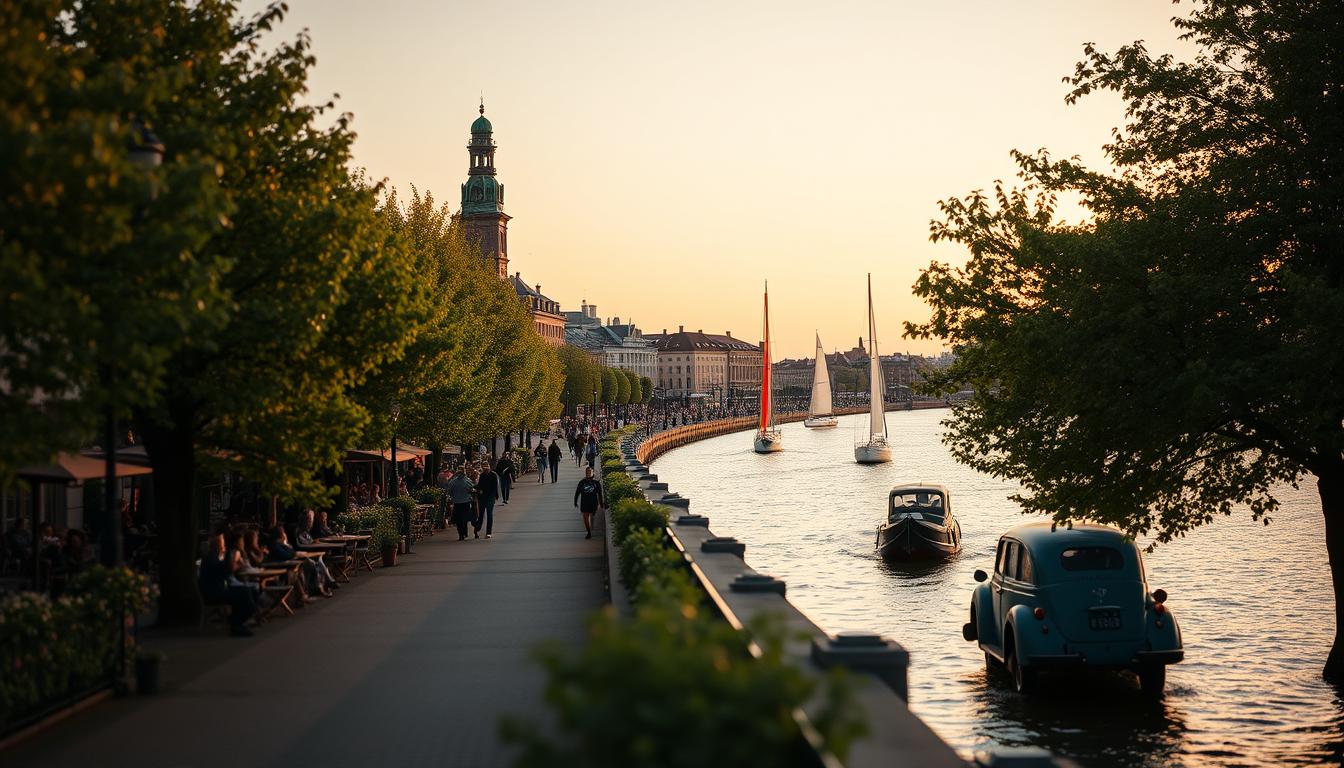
{"points": [[986, 626], [1166, 637], [1027, 637]]}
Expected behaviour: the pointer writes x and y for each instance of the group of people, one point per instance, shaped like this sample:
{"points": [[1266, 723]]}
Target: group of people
{"points": [[232, 551], [473, 490], [68, 554]]}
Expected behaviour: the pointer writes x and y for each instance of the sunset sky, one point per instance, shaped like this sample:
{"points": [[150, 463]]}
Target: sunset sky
{"points": [[662, 159]]}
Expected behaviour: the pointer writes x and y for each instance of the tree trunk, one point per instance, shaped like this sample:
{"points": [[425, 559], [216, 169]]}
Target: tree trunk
{"points": [[172, 456], [435, 462], [1330, 482]]}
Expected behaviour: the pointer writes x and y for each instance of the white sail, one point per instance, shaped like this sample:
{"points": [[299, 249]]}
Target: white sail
{"points": [[821, 386], [877, 418]]}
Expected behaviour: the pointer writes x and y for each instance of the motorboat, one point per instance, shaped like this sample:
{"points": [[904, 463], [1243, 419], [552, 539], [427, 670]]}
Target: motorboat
{"points": [[768, 437], [874, 449], [920, 524], [819, 410]]}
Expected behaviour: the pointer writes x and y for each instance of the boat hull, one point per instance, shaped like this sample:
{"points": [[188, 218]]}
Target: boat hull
{"points": [[821, 422], [913, 539], [768, 442], [872, 454]]}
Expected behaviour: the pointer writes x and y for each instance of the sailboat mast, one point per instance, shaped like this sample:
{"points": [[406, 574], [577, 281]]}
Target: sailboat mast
{"points": [[765, 365], [877, 422]]}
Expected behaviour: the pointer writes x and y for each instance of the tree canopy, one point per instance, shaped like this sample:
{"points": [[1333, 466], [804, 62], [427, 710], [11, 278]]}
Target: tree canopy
{"points": [[1175, 357]]}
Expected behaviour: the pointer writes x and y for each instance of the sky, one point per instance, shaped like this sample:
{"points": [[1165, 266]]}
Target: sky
{"points": [[662, 160]]}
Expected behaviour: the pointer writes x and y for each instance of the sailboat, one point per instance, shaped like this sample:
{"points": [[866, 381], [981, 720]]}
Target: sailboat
{"points": [[768, 438], [819, 410], [875, 450]]}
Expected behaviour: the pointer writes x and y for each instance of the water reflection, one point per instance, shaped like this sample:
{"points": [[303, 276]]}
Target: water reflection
{"points": [[1254, 602]]}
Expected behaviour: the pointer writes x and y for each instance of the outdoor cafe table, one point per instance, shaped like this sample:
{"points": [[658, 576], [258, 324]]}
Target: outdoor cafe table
{"points": [[279, 593], [342, 570]]}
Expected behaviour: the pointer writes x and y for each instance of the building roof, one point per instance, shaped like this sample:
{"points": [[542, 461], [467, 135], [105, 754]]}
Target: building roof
{"points": [[536, 300], [699, 341]]}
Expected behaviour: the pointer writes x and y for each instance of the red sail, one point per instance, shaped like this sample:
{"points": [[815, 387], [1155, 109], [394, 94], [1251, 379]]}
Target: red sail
{"points": [[765, 369]]}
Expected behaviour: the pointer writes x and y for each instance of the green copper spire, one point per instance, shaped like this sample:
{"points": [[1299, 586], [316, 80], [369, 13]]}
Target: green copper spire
{"points": [[482, 193]]}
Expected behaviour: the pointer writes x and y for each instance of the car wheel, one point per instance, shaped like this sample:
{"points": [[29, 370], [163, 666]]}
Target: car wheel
{"points": [[1024, 675], [1153, 679], [991, 665]]}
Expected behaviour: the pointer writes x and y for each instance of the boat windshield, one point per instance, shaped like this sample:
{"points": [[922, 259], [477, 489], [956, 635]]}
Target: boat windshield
{"points": [[927, 503]]}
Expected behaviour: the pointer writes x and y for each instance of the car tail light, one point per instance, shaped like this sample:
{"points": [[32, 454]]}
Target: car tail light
{"points": [[1039, 613]]}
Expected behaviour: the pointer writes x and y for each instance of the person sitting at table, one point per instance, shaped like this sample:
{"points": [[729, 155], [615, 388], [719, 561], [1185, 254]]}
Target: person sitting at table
{"points": [[282, 551], [305, 538], [20, 540], [214, 583], [75, 555], [321, 529]]}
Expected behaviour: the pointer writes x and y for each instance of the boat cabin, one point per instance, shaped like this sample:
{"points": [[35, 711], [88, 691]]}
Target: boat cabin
{"points": [[928, 502]]}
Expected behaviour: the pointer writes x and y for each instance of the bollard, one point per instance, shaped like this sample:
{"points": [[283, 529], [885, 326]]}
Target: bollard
{"points": [[724, 544], [691, 519], [673, 500], [865, 651], [757, 582]]}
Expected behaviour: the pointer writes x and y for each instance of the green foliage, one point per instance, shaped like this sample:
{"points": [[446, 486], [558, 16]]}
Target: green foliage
{"points": [[53, 648], [618, 487], [632, 380], [645, 557], [612, 467], [403, 508], [428, 495], [582, 376], [1176, 356], [103, 271], [382, 521], [645, 389], [611, 387], [623, 390], [524, 458], [635, 514]]}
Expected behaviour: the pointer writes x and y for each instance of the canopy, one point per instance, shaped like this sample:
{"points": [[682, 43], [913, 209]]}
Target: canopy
{"points": [[404, 453], [74, 468]]}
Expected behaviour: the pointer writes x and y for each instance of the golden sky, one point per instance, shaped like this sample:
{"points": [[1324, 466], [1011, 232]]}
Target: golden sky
{"points": [[662, 159]]}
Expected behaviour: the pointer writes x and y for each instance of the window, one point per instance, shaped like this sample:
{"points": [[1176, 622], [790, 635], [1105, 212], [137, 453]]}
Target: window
{"points": [[1002, 556], [1025, 572], [1091, 559], [1010, 561]]}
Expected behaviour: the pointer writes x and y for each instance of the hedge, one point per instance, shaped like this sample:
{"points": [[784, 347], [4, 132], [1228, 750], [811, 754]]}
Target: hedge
{"points": [[631, 515], [619, 487]]}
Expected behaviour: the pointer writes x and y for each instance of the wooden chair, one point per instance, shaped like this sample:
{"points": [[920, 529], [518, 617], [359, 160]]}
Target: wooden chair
{"points": [[211, 613]]}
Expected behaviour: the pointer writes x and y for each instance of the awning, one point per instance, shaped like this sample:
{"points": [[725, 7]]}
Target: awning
{"points": [[74, 468], [404, 453]]}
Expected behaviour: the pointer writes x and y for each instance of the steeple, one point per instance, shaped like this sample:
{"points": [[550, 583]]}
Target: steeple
{"points": [[483, 196]]}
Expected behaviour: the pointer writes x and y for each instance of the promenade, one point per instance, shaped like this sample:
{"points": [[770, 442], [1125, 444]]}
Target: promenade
{"points": [[412, 665]]}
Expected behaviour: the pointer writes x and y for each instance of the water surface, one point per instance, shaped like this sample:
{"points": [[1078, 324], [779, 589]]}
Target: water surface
{"points": [[1254, 603]]}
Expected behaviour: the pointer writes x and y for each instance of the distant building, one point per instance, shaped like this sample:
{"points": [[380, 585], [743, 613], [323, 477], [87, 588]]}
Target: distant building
{"points": [[693, 362], [546, 316], [613, 344], [483, 214]]}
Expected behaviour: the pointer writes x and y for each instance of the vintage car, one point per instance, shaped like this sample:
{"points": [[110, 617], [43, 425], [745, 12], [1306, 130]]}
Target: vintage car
{"points": [[1072, 597]]}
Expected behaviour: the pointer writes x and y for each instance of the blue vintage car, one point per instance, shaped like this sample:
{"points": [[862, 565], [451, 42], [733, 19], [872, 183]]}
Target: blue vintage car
{"points": [[1071, 597]]}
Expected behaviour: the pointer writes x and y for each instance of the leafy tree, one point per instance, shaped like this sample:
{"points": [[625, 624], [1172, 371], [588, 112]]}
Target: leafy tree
{"points": [[1177, 356], [645, 389], [636, 393], [103, 276], [582, 377], [610, 392], [315, 298], [622, 386]]}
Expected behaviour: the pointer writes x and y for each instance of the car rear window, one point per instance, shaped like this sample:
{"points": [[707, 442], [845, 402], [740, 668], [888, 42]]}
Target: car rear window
{"points": [[1092, 559]]}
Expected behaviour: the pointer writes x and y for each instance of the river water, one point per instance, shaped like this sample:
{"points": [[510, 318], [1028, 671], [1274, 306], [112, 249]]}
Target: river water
{"points": [[1254, 603]]}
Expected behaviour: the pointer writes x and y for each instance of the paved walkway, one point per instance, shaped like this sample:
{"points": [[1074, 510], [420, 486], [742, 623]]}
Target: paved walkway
{"points": [[411, 666]]}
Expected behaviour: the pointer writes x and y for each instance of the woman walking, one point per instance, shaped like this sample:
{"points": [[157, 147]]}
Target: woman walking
{"points": [[540, 453]]}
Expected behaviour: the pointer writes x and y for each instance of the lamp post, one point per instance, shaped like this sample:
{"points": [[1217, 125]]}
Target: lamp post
{"points": [[146, 152], [395, 490], [592, 420]]}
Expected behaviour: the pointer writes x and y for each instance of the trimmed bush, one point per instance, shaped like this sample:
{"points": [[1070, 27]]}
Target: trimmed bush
{"points": [[632, 515], [428, 495], [612, 467], [383, 522], [619, 487], [645, 557]]}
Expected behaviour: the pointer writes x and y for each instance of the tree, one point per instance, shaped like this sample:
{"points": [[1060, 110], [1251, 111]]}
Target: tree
{"points": [[581, 377], [103, 273], [315, 298], [645, 388], [622, 386], [610, 391], [636, 392], [1177, 356]]}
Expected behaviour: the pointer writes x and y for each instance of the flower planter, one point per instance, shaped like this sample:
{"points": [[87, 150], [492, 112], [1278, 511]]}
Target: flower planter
{"points": [[389, 556]]}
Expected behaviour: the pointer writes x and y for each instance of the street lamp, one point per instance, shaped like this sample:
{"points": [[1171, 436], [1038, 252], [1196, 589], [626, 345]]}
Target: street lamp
{"points": [[146, 152]]}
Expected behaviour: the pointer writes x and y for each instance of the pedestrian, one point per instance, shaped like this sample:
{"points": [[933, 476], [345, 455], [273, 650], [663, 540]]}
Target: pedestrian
{"points": [[487, 489], [505, 471], [569, 438], [579, 442], [589, 498], [461, 494], [540, 453], [553, 456], [592, 453]]}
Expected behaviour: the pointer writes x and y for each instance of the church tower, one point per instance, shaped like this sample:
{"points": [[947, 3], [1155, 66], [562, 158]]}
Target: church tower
{"points": [[483, 198]]}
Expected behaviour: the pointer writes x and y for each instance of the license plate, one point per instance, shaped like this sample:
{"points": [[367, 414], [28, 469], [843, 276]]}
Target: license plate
{"points": [[1103, 618]]}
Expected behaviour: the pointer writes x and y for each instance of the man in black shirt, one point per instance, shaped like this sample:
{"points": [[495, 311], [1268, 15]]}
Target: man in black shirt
{"points": [[588, 497], [553, 455], [505, 471]]}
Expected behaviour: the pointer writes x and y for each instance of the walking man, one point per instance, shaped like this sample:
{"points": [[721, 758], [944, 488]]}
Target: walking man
{"points": [[579, 442], [592, 454], [461, 494], [504, 469], [553, 456], [589, 498], [540, 453], [487, 490]]}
